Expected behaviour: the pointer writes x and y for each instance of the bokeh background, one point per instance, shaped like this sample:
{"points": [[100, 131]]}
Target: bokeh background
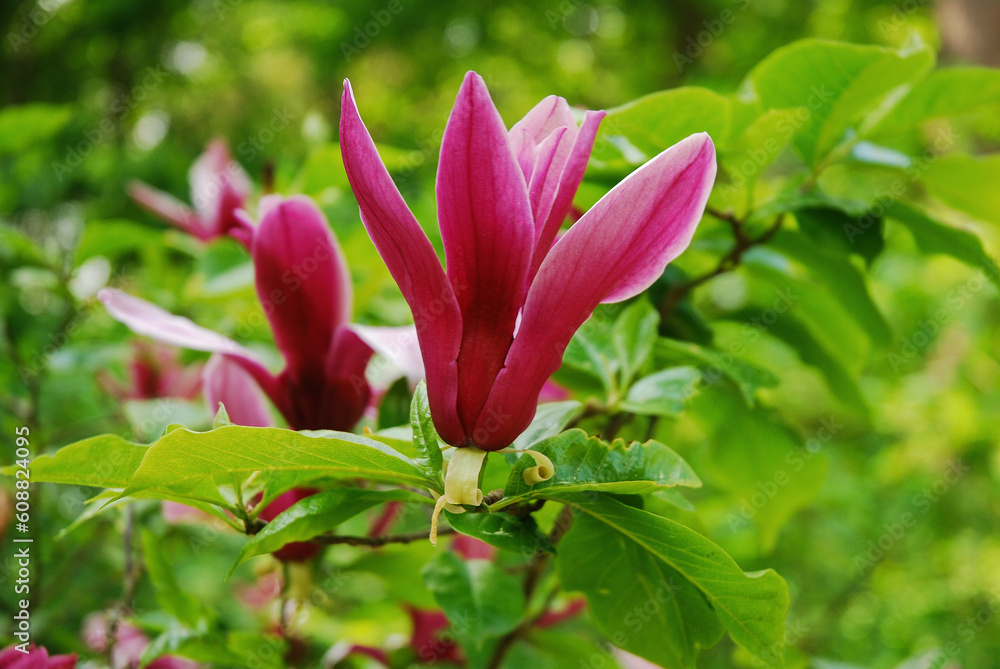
{"points": [[97, 93]]}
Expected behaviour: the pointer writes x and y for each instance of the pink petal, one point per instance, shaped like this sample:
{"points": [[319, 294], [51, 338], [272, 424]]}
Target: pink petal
{"points": [[147, 319], [569, 181], [227, 382], [488, 233], [615, 251], [551, 113], [302, 282], [219, 186], [412, 262], [167, 207], [398, 345], [553, 153]]}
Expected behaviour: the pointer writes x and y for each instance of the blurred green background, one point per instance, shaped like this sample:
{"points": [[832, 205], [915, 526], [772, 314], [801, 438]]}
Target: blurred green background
{"points": [[97, 93]]}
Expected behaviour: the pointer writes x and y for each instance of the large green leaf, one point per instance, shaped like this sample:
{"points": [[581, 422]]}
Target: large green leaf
{"points": [[584, 463], [550, 419], [840, 278], [633, 336], [635, 132], [837, 84], [481, 600], [425, 437], [663, 393], [518, 535], [182, 460], [625, 559], [310, 517], [933, 236], [967, 183], [171, 597], [106, 461], [950, 92]]}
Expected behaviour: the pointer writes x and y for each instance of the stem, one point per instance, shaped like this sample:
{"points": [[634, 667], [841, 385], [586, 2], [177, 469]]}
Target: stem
{"points": [[535, 572], [727, 263], [382, 540]]}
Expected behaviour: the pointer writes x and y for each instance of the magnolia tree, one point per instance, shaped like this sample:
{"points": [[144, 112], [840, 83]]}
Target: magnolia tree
{"points": [[503, 462]]}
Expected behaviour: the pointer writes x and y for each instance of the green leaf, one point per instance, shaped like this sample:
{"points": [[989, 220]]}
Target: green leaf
{"points": [[967, 183], [664, 393], [715, 365], [591, 351], [833, 228], [183, 460], [950, 92], [115, 238], [394, 407], [623, 558], [550, 419], [518, 535], [760, 461], [633, 336], [584, 463], [221, 417], [479, 598], [425, 437], [169, 595], [107, 461], [324, 168], [935, 237], [838, 84], [633, 133], [323, 512], [25, 126], [840, 278]]}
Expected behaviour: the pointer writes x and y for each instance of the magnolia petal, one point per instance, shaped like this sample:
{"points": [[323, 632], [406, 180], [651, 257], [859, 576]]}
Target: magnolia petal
{"points": [[553, 153], [412, 262], [227, 382], [302, 281], [145, 318], [616, 250], [398, 345], [219, 186], [551, 113], [167, 207], [569, 180], [488, 234]]}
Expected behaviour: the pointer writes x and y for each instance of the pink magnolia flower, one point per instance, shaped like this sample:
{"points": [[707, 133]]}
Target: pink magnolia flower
{"points": [[493, 328], [37, 657], [219, 187], [154, 371], [130, 643], [304, 286]]}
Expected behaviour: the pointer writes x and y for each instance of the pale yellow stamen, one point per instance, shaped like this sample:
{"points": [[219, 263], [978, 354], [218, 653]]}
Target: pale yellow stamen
{"points": [[543, 469], [461, 485]]}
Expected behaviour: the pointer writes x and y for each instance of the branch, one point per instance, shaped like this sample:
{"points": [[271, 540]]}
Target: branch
{"points": [[381, 540], [535, 572], [727, 263]]}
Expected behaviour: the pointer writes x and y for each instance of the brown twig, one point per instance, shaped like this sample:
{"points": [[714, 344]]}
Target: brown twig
{"points": [[727, 263], [382, 540], [536, 569]]}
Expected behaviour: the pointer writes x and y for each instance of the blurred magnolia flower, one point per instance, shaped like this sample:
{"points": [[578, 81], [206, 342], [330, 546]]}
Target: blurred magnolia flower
{"points": [[37, 657], [154, 371], [128, 647], [219, 187], [296, 551], [305, 289], [493, 328]]}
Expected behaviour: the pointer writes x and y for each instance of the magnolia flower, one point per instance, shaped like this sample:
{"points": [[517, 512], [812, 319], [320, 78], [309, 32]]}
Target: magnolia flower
{"points": [[154, 371], [219, 187], [493, 328], [37, 657], [129, 645], [305, 289]]}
